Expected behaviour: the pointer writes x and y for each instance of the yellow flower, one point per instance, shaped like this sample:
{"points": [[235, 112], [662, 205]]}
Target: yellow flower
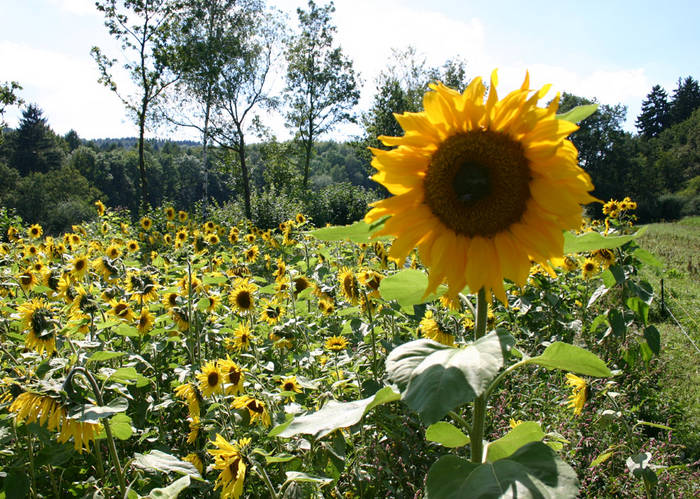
{"points": [[300, 284], [604, 256], [590, 268], [256, 408], [146, 223], [242, 297], [182, 216], [122, 310], [431, 330], [189, 393], [513, 422], [480, 187], [79, 267], [195, 460], [35, 231], [113, 251], [170, 213], [242, 338], [210, 379], [271, 312], [233, 376], [132, 246], [336, 343], [348, 285], [251, 254], [290, 384], [232, 466], [100, 207], [145, 321], [300, 218], [39, 323], [578, 398]]}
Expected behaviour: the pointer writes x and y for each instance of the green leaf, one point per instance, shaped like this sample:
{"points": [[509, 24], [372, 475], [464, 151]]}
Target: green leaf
{"points": [[578, 114], [164, 463], [617, 323], [214, 279], [297, 476], [639, 467], [55, 455], [639, 306], [446, 434], [533, 471], [126, 375], [591, 241], [359, 232], [601, 459], [120, 424], [571, 358], [104, 355], [334, 415], [403, 360], [651, 334], [93, 413], [646, 258], [524, 433], [171, 491], [407, 288], [449, 377], [126, 330]]}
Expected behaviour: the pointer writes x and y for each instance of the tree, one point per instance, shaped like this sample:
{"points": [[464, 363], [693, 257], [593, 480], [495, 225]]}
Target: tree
{"points": [[686, 99], [8, 97], [655, 113], [35, 146], [321, 83], [144, 29]]}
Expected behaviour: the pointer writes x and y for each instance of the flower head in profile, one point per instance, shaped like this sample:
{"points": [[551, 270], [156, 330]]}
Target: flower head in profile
{"points": [[480, 185], [99, 205], [38, 320], [580, 391], [229, 460], [256, 409], [336, 343]]}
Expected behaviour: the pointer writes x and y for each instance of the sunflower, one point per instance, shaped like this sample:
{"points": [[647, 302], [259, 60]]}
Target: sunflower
{"points": [[145, 321], [27, 280], [336, 343], [35, 231], [271, 311], [232, 375], [211, 379], [570, 263], [326, 306], [170, 213], [182, 216], [39, 323], [290, 385], [251, 254], [113, 251], [580, 390], [256, 409], [480, 187], [604, 256], [189, 284], [242, 339], [232, 466], [300, 284], [242, 297], [209, 227], [12, 234], [79, 267], [190, 394], [122, 310], [195, 425], [281, 269], [179, 315], [106, 267], [590, 268], [196, 461], [213, 239], [282, 338], [300, 218], [431, 329], [132, 246], [100, 207], [146, 223], [371, 280], [142, 285], [348, 285]]}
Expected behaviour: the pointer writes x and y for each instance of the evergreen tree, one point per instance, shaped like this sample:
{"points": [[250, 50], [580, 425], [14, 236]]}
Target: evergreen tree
{"points": [[686, 99], [35, 146], [655, 113]]}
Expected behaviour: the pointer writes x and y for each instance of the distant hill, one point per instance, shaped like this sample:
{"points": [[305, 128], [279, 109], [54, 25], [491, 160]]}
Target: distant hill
{"points": [[130, 142]]}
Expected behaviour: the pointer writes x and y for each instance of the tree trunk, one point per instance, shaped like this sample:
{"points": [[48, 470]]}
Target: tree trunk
{"points": [[205, 165], [244, 175], [142, 159]]}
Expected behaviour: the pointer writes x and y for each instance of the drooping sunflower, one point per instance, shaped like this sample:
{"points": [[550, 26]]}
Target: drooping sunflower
{"points": [[100, 207], [142, 285], [430, 328], [189, 393], [480, 187], [580, 391], [348, 285], [300, 284], [256, 408], [271, 311], [122, 310], [38, 321], [196, 461], [211, 379], [243, 296], [232, 466]]}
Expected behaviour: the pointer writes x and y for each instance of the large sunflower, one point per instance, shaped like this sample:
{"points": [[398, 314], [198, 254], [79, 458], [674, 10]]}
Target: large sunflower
{"points": [[481, 188]]}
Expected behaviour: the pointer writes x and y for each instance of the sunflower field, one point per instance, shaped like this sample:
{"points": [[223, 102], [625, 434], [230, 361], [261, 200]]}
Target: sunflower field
{"points": [[205, 358]]}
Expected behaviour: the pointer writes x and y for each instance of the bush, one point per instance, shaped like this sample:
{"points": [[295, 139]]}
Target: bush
{"points": [[338, 204]]}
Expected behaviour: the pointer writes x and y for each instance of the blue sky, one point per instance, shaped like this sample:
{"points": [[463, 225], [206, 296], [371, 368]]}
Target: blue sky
{"points": [[612, 50]]}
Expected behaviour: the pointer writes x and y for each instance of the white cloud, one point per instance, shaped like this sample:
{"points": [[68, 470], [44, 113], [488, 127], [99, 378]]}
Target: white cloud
{"points": [[66, 89], [79, 7]]}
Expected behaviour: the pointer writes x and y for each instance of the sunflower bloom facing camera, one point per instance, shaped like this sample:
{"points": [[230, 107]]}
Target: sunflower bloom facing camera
{"points": [[481, 188]]}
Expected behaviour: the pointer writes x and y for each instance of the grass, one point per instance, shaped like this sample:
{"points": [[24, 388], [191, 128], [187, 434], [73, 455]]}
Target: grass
{"points": [[677, 246]]}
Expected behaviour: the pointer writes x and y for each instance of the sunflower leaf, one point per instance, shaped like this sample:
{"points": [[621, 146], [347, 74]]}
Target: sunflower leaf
{"points": [[172, 490], [579, 113], [533, 471], [448, 377], [164, 463], [407, 287], [591, 241], [524, 433], [571, 358], [359, 232], [446, 434]]}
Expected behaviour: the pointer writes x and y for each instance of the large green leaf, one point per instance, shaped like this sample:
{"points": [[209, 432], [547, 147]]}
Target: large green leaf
{"points": [[571, 358], [403, 360], [579, 113], [533, 471], [446, 434], [407, 287], [93, 413], [524, 433], [334, 415], [171, 491], [591, 241], [359, 232], [104, 355], [448, 377], [165, 463], [120, 424]]}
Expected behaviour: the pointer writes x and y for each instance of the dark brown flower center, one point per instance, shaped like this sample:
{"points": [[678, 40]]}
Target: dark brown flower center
{"points": [[234, 376], [243, 300], [213, 378], [478, 183]]}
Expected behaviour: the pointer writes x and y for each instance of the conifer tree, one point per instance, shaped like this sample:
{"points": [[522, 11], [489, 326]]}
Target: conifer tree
{"points": [[655, 113], [686, 99], [35, 147]]}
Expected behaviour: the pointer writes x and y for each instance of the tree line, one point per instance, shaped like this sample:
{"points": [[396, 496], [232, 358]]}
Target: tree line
{"points": [[209, 65]]}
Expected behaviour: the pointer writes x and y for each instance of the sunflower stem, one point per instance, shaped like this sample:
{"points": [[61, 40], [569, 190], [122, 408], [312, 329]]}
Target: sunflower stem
{"points": [[108, 431], [479, 412], [368, 306], [263, 474], [30, 448]]}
